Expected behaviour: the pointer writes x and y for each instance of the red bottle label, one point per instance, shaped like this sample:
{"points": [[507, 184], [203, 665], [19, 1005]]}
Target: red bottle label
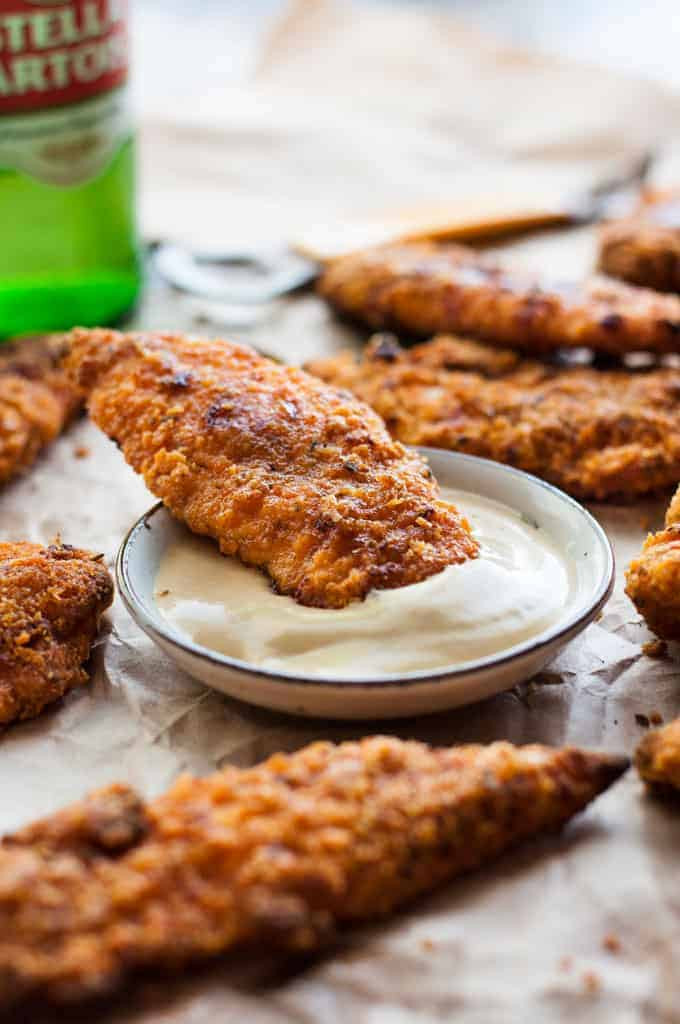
{"points": [[57, 52]]}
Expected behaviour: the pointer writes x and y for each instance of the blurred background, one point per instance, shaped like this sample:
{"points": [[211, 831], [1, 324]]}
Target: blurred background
{"points": [[260, 123], [259, 120], [241, 102], [217, 38]]}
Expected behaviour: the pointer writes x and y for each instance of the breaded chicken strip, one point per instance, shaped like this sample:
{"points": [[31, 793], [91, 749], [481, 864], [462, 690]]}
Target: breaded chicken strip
{"points": [[598, 435], [51, 600], [36, 401], [422, 289], [657, 758], [653, 578], [275, 856], [644, 248], [289, 474]]}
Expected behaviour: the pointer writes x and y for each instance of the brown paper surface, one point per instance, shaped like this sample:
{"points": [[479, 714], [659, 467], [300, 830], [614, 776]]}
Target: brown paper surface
{"points": [[346, 107]]}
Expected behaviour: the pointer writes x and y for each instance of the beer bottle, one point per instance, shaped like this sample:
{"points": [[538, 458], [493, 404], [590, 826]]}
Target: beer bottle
{"points": [[68, 250]]}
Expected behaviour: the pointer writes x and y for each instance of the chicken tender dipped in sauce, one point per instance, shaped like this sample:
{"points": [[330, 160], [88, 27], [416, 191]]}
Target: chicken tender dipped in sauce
{"points": [[287, 473]]}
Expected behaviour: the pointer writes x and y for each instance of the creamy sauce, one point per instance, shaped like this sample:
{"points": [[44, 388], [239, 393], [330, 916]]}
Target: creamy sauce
{"points": [[519, 586]]}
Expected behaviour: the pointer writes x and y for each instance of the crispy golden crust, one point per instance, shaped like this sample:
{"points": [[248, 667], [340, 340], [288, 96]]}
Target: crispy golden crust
{"points": [[653, 578], [36, 401], [644, 248], [276, 855], [422, 289], [292, 476], [598, 435], [657, 757], [51, 600]]}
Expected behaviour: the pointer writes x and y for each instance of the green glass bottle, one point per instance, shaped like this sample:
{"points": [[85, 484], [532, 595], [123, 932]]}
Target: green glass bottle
{"points": [[68, 249]]}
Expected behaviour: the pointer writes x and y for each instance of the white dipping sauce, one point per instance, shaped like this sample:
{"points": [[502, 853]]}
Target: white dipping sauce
{"points": [[518, 586]]}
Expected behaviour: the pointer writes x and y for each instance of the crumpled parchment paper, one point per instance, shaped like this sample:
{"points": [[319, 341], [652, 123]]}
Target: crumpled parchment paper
{"points": [[346, 109]]}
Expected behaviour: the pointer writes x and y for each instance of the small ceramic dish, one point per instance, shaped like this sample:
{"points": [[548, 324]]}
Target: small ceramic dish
{"points": [[569, 525]]}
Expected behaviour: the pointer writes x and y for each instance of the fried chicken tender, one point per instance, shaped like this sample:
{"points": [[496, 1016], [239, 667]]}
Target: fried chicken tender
{"points": [[292, 476], [424, 289], [36, 401], [644, 248], [597, 434], [657, 758], [274, 856], [51, 600], [653, 578]]}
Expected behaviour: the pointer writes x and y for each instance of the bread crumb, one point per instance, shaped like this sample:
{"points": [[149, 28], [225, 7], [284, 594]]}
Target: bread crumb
{"points": [[642, 721], [81, 451], [655, 648], [428, 945], [611, 943], [656, 718], [591, 983]]}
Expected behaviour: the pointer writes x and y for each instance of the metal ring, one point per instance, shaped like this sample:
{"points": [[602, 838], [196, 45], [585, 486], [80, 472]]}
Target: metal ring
{"points": [[238, 275]]}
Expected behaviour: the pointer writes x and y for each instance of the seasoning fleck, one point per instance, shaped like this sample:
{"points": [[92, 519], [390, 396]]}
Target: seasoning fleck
{"points": [[591, 983], [655, 648]]}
